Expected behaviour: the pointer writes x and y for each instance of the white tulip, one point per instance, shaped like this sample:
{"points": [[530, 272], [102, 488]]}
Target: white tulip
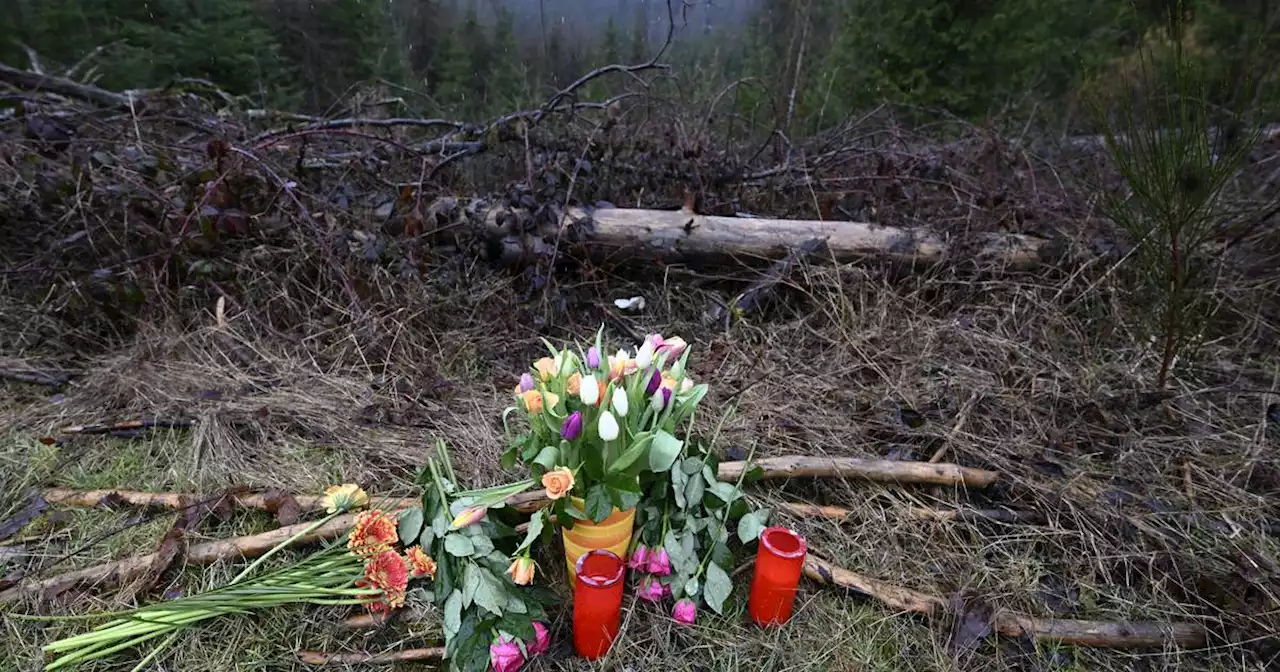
{"points": [[589, 390], [686, 385], [608, 427], [644, 356], [620, 403]]}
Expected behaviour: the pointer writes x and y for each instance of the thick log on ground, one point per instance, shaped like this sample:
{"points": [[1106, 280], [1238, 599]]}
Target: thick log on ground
{"points": [[1103, 634], [681, 235]]}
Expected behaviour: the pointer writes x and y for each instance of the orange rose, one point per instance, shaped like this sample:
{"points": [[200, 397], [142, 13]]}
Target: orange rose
{"points": [[521, 571], [558, 482], [574, 383]]}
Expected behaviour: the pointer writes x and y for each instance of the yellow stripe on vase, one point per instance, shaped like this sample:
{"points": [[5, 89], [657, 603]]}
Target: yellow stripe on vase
{"points": [[612, 534]]}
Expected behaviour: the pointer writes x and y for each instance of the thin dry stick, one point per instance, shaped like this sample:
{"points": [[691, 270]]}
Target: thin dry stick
{"points": [[1106, 634], [366, 658], [920, 512]]}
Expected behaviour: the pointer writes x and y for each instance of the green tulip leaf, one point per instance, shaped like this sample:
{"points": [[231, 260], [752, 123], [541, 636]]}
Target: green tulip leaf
{"points": [[664, 451]]}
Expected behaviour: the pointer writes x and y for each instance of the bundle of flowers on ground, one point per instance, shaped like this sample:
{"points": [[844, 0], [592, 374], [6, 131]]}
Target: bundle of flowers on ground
{"points": [[368, 567], [483, 572], [607, 437]]}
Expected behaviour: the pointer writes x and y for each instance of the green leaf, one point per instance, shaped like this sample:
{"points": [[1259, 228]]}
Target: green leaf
{"points": [[516, 605], [599, 504], [691, 587], [718, 587], [751, 525], [459, 546], [508, 459], [410, 526], [693, 489], [755, 473], [547, 457], [518, 625], [623, 499], [630, 456], [691, 465], [664, 451], [679, 483], [482, 545], [470, 584], [484, 590], [440, 523], [675, 551], [725, 492], [535, 529], [452, 615], [593, 461]]}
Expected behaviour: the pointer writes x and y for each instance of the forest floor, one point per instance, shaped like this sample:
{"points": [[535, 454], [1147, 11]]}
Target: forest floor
{"points": [[1148, 506]]}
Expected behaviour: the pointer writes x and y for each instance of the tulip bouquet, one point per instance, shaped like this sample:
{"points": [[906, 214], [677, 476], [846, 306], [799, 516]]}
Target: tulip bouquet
{"points": [[367, 569], [611, 432], [597, 423]]}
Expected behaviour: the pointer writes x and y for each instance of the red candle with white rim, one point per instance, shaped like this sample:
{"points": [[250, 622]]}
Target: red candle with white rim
{"points": [[597, 602], [779, 562]]}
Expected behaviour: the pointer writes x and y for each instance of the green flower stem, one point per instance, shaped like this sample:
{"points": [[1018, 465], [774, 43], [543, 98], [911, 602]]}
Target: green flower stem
{"points": [[155, 652], [702, 566], [305, 531]]}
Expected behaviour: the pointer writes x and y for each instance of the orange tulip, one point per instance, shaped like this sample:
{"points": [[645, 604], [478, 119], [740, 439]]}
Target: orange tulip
{"points": [[574, 383]]}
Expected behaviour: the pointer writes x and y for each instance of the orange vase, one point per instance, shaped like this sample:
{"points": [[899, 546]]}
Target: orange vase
{"points": [[612, 534]]}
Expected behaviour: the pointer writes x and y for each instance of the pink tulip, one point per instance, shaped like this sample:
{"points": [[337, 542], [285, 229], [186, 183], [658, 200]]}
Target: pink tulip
{"points": [[659, 562], [674, 347], [685, 612], [639, 558], [541, 640], [505, 654]]}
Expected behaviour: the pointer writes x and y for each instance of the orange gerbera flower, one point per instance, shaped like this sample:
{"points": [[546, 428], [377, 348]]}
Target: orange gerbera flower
{"points": [[388, 573], [420, 563], [374, 532]]}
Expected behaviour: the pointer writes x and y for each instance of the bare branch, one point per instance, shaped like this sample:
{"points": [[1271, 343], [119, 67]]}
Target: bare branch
{"points": [[35, 81]]}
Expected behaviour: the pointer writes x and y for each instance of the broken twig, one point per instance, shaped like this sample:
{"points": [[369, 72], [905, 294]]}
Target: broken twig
{"points": [[367, 658]]}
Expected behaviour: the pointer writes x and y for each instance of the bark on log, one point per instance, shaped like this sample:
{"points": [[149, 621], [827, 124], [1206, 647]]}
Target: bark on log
{"points": [[1103, 634], [33, 81], [1009, 516], [884, 471], [118, 572], [366, 658], [676, 235]]}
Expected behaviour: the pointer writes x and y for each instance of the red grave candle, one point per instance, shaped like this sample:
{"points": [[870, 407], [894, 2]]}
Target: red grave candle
{"points": [[779, 561], [597, 602]]}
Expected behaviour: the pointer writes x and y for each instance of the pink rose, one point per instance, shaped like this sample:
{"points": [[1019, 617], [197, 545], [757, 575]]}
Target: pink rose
{"points": [[659, 562], [541, 640], [505, 654], [639, 558], [685, 612], [652, 590]]}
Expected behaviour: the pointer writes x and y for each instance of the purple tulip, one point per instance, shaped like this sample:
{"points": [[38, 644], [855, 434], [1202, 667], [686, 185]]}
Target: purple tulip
{"points": [[526, 382], [659, 563], [685, 612], [655, 381], [639, 558], [660, 399], [572, 426], [593, 358]]}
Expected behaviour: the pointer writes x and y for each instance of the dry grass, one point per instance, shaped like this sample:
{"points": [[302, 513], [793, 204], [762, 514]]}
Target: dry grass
{"points": [[1155, 510]]}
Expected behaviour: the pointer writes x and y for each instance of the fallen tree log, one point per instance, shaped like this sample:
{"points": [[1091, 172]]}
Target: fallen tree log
{"points": [[682, 235], [795, 466], [1102, 634]]}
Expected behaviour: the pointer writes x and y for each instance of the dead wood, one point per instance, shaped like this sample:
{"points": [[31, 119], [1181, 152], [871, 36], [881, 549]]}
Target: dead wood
{"points": [[1009, 516], [121, 571], [368, 658], [675, 235], [34, 81], [1105, 634], [884, 471]]}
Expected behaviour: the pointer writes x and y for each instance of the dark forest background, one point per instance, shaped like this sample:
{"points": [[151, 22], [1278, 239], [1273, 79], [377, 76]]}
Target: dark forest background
{"points": [[808, 63]]}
